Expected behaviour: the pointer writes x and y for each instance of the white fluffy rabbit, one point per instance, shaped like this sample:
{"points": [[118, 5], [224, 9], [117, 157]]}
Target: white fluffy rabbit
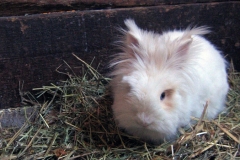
{"points": [[161, 80]]}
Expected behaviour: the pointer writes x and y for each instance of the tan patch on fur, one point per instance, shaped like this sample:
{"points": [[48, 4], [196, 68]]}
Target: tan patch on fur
{"points": [[168, 99]]}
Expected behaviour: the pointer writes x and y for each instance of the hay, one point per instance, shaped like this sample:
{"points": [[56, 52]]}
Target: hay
{"points": [[75, 122]]}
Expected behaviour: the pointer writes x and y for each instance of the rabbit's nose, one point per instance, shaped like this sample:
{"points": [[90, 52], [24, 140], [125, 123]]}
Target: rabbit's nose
{"points": [[144, 119]]}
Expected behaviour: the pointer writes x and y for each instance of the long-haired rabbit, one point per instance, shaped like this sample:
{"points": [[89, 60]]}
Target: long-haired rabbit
{"points": [[161, 80]]}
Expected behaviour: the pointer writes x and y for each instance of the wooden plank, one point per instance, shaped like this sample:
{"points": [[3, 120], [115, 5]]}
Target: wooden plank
{"points": [[33, 46], [22, 7], [107, 2]]}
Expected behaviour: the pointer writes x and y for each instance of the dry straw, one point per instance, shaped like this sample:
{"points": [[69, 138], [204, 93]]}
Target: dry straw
{"points": [[75, 122]]}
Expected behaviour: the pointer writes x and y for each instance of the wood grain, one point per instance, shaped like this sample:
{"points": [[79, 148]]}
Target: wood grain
{"points": [[26, 7]]}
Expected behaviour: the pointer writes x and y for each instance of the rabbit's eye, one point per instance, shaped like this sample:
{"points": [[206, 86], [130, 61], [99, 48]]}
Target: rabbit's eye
{"points": [[162, 96]]}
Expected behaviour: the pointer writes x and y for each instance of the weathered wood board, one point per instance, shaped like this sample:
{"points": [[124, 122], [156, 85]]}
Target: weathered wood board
{"points": [[33, 46], [22, 7]]}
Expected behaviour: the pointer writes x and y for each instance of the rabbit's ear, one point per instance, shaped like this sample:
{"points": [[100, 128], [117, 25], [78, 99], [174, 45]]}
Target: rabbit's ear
{"points": [[183, 45], [133, 34], [185, 41], [131, 40], [178, 51]]}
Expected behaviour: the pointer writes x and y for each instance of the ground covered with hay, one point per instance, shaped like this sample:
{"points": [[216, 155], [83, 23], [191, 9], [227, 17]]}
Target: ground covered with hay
{"points": [[75, 121]]}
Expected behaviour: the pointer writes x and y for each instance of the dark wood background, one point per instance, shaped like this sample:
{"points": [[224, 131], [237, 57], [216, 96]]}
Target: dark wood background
{"points": [[22, 7], [36, 36]]}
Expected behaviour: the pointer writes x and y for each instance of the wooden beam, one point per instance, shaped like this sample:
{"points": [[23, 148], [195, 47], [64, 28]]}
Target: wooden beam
{"points": [[26, 7]]}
